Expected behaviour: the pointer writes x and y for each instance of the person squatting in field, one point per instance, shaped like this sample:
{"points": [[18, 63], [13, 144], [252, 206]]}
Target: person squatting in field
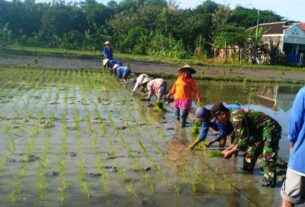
{"points": [[141, 83], [256, 134], [207, 121], [109, 64], [156, 87], [122, 72]]}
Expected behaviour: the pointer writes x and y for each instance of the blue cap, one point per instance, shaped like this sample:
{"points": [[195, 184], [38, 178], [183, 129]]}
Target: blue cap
{"points": [[199, 112]]}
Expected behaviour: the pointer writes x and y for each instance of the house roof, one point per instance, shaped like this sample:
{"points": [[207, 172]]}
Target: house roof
{"points": [[302, 26], [275, 27]]}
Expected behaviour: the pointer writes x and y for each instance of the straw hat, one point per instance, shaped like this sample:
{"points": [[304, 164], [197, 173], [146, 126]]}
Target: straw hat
{"points": [[105, 62], [186, 67], [115, 66], [145, 80], [107, 43]]}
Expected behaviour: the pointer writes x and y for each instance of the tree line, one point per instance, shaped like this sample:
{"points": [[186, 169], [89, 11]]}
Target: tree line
{"points": [[149, 27]]}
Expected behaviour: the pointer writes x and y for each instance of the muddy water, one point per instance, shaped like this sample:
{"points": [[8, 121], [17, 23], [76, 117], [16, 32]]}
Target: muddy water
{"points": [[78, 138]]}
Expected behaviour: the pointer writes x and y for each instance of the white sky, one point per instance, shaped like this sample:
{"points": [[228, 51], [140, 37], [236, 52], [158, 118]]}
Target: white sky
{"points": [[290, 9]]}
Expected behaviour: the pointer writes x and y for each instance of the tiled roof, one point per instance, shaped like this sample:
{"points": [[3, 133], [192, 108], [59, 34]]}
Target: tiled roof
{"points": [[275, 27]]}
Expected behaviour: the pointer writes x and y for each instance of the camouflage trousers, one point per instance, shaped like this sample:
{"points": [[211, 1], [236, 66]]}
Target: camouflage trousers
{"points": [[266, 148]]}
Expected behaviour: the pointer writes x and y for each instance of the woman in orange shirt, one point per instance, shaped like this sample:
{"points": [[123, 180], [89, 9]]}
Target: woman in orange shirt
{"points": [[183, 89]]}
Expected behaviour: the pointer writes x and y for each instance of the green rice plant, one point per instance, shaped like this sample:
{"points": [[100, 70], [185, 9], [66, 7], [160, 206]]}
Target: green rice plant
{"points": [[212, 184], [63, 182], [154, 163], [81, 162], [251, 96], [42, 170], [124, 145], [15, 191], [196, 127], [7, 155], [177, 189], [102, 124], [131, 189], [214, 153]]}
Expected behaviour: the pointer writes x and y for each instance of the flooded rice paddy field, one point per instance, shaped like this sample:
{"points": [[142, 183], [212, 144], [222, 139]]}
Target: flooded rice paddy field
{"points": [[79, 138]]}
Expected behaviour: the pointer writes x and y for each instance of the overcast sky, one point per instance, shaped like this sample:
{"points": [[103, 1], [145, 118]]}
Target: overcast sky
{"points": [[290, 9]]}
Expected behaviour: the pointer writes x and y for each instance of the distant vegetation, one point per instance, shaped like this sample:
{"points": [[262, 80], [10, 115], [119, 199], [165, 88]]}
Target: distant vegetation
{"points": [[145, 27]]}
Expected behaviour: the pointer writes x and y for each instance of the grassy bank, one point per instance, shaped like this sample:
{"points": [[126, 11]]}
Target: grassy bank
{"points": [[211, 62]]}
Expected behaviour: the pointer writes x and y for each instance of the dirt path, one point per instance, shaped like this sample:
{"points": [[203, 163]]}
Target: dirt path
{"points": [[18, 60]]}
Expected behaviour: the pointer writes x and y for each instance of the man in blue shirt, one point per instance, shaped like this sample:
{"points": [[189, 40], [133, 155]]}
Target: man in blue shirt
{"points": [[107, 51], [122, 72], [109, 64], [293, 189], [207, 122]]}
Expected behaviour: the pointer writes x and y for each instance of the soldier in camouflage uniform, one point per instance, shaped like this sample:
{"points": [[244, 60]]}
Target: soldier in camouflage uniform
{"points": [[256, 134]]}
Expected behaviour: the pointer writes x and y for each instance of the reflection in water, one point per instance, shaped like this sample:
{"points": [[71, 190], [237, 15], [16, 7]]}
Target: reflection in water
{"points": [[276, 97]]}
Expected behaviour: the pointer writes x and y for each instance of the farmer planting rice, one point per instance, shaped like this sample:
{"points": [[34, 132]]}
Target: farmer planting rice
{"points": [[109, 64], [183, 90], [141, 82], [122, 72], [156, 87], [256, 134], [205, 117]]}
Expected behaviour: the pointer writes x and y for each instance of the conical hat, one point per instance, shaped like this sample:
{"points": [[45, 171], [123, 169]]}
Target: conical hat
{"points": [[187, 67], [105, 61], [145, 80], [116, 66]]}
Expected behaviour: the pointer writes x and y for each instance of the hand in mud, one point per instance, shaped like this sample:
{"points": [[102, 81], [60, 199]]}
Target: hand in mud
{"points": [[191, 147], [227, 155], [208, 144]]}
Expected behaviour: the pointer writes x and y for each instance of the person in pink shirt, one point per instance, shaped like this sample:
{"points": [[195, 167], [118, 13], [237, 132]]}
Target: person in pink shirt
{"points": [[183, 90], [156, 87]]}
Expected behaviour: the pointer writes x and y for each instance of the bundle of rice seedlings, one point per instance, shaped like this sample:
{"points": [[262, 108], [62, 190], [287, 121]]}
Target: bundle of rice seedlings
{"points": [[196, 127], [214, 153], [159, 104]]}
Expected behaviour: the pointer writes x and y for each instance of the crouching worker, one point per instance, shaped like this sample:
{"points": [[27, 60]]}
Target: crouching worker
{"points": [[109, 64], [122, 72], [141, 83], [156, 87], [256, 134], [205, 117]]}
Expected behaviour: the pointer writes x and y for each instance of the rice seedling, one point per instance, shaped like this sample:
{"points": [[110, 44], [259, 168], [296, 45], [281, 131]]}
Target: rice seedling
{"points": [[15, 191], [196, 127], [214, 153], [131, 189], [177, 189]]}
